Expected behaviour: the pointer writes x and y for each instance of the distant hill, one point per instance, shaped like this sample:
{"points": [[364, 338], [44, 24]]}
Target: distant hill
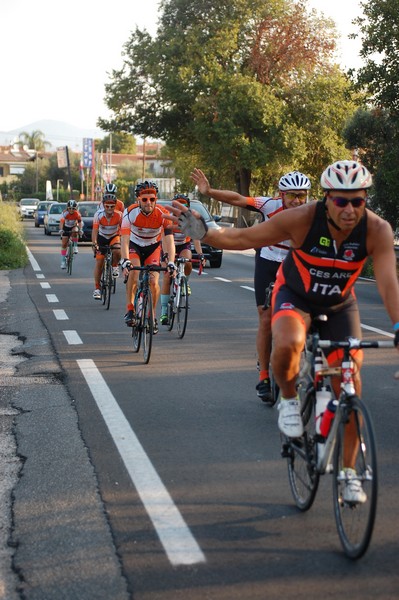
{"points": [[58, 133]]}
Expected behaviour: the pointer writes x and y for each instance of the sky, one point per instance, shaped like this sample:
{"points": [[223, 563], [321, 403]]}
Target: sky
{"points": [[56, 56]]}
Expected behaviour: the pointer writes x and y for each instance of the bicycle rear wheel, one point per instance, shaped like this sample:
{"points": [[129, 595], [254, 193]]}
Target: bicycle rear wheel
{"points": [[182, 308], [355, 521], [109, 283], [103, 283], [148, 326], [302, 459]]}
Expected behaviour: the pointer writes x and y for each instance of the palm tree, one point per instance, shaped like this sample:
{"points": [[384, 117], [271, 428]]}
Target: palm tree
{"points": [[34, 140]]}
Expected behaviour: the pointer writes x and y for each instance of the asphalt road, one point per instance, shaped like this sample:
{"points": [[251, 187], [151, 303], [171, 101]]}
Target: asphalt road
{"points": [[181, 461]]}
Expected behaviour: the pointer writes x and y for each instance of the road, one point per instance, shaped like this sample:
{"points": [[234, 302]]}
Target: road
{"points": [[186, 457]]}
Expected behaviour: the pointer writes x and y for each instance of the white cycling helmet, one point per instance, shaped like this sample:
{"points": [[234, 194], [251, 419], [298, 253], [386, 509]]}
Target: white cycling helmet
{"points": [[72, 204], [294, 181], [346, 175]]}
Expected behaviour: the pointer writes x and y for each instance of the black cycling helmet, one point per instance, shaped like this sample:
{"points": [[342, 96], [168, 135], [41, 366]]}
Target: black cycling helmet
{"points": [[72, 204], [146, 186], [110, 192], [182, 198]]}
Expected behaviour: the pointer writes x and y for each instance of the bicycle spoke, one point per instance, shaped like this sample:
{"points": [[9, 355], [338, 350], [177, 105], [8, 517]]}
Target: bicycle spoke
{"points": [[182, 308], [355, 521]]}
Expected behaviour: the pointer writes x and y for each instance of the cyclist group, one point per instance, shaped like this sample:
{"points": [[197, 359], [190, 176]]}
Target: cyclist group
{"points": [[329, 242]]}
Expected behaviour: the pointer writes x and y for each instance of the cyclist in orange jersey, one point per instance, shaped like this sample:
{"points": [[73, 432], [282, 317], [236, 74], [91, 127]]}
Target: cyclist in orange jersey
{"points": [[144, 224], [182, 250], [110, 192], [106, 233], [71, 226]]}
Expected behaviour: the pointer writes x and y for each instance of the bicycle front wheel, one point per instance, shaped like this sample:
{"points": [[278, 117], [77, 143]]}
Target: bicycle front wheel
{"points": [[182, 308], [103, 283], [148, 326], [137, 328], [301, 456], [171, 313], [69, 259], [109, 283], [355, 520]]}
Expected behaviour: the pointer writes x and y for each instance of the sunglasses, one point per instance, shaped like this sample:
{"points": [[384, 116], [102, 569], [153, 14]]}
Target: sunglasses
{"points": [[293, 195], [342, 202], [147, 199]]}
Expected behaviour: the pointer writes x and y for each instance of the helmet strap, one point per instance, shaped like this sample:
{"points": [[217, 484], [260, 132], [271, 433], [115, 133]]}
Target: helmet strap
{"points": [[329, 219]]}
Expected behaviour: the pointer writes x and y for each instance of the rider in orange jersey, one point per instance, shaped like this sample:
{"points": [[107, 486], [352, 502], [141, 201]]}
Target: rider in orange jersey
{"points": [[143, 226], [106, 233], [109, 193], [183, 250], [71, 226]]}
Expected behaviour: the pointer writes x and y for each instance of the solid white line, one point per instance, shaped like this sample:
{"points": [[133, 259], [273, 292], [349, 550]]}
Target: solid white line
{"points": [[72, 337], [60, 315], [32, 260], [45, 285], [246, 287], [369, 328], [222, 279], [176, 538], [52, 298]]}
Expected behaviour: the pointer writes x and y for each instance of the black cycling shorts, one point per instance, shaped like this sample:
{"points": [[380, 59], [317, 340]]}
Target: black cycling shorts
{"points": [[265, 273]]}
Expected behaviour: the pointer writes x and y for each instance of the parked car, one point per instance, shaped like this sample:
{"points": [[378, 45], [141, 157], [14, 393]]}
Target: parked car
{"points": [[51, 221], [40, 211], [87, 211], [213, 255], [27, 206]]}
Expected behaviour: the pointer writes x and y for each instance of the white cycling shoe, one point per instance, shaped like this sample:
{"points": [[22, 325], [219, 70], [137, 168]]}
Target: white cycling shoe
{"points": [[353, 491], [289, 418]]}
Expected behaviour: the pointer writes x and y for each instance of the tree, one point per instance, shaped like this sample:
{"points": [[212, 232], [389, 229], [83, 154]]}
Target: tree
{"points": [[34, 140], [222, 82], [121, 143]]}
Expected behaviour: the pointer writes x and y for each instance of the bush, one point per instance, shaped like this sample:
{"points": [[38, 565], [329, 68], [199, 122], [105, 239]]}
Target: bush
{"points": [[13, 253]]}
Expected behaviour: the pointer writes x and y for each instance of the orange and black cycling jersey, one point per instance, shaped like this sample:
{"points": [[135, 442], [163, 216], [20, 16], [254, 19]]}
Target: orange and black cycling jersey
{"points": [[318, 270], [68, 219], [145, 230]]}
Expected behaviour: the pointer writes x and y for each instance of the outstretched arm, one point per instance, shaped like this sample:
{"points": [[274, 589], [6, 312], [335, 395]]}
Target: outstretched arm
{"points": [[227, 196]]}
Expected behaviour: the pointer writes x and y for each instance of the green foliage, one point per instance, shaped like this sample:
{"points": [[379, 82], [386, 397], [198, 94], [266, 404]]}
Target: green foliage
{"points": [[13, 251], [34, 140], [121, 143], [237, 87]]}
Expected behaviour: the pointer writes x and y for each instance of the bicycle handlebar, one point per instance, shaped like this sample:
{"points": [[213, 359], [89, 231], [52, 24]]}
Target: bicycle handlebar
{"points": [[355, 344]]}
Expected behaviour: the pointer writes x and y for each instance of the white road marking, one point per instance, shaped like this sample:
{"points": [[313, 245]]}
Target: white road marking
{"points": [[369, 328], [176, 538], [60, 315], [40, 275], [246, 287], [72, 337], [32, 260], [52, 298], [45, 285], [222, 279]]}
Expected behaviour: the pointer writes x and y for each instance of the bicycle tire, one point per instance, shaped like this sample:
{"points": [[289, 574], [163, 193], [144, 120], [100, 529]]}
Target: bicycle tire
{"points": [[171, 313], [301, 456], [148, 325], [137, 328], [355, 522], [69, 259], [103, 283], [109, 281], [182, 308]]}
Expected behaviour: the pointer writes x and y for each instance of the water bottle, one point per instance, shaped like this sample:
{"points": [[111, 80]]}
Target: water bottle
{"points": [[327, 418], [323, 397]]}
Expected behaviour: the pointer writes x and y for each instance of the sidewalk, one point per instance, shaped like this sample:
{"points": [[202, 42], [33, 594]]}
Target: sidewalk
{"points": [[55, 540]]}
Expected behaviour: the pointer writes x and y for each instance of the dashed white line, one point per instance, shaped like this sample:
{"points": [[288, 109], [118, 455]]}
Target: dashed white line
{"points": [[72, 337], [45, 285], [176, 538], [222, 279], [40, 275], [52, 298], [247, 287], [60, 315]]}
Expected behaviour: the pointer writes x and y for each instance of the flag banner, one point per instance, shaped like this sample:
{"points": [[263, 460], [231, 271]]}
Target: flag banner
{"points": [[62, 159], [88, 152]]}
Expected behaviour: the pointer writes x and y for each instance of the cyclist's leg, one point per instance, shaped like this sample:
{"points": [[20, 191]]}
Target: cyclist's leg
{"points": [[64, 244], [98, 267], [341, 324], [153, 257], [165, 291], [75, 238], [115, 244], [265, 273], [131, 283]]}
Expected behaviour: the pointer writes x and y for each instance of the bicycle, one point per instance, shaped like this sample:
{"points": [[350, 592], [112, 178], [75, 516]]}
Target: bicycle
{"points": [[313, 455], [70, 253], [143, 324], [178, 302], [275, 390], [107, 281]]}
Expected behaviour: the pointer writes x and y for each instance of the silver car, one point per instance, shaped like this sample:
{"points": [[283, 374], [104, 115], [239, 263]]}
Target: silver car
{"points": [[27, 206], [51, 221]]}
